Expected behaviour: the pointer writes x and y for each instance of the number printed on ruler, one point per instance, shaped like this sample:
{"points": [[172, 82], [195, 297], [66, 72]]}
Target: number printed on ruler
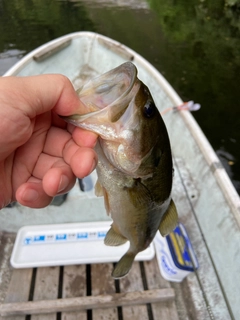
{"points": [[63, 237]]}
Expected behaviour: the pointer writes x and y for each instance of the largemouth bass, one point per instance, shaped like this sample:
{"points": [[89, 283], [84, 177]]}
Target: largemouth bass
{"points": [[135, 164]]}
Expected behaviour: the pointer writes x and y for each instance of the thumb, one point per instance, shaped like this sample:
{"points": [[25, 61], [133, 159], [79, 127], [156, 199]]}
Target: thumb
{"points": [[23, 98], [39, 94]]}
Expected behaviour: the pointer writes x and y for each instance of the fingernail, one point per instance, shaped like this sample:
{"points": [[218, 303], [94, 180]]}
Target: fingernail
{"points": [[63, 183], [30, 195]]}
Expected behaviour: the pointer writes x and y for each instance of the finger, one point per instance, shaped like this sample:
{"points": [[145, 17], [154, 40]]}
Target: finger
{"points": [[27, 155], [56, 174], [58, 180], [31, 194], [56, 140], [84, 159], [84, 138], [37, 193], [83, 162], [44, 163]]}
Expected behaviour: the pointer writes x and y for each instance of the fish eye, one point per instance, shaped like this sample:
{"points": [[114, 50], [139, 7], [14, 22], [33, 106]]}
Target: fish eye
{"points": [[149, 109]]}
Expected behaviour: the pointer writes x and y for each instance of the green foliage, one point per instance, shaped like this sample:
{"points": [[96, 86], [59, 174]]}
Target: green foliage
{"points": [[45, 19], [204, 45], [200, 57]]}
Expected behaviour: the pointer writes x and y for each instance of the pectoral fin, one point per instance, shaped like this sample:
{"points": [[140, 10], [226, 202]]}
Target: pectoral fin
{"points": [[98, 189], [139, 194], [101, 191], [169, 220], [113, 238], [123, 266]]}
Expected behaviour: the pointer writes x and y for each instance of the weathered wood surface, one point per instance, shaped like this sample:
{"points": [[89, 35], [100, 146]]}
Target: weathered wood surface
{"points": [[103, 284], [78, 294], [74, 285], [131, 283], [18, 290], [154, 280], [91, 302], [6, 247], [46, 288], [85, 284]]}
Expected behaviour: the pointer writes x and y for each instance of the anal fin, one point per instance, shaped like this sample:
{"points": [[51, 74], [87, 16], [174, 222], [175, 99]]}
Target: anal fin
{"points": [[169, 220], [113, 238]]}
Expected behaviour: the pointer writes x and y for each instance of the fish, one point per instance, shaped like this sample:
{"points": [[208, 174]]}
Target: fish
{"points": [[135, 169]]}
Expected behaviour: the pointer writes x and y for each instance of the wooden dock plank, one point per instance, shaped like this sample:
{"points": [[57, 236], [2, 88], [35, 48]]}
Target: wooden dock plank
{"points": [[6, 246], [103, 283], [74, 285], [18, 290], [133, 282], [46, 288], [163, 310], [134, 298]]}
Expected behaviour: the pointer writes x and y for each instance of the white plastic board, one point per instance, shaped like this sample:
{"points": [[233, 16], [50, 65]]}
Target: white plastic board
{"points": [[65, 244]]}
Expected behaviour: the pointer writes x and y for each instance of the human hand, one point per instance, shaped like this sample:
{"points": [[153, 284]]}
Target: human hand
{"points": [[40, 154]]}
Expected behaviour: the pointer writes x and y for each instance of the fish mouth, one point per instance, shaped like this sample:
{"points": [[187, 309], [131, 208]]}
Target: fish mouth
{"points": [[106, 99]]}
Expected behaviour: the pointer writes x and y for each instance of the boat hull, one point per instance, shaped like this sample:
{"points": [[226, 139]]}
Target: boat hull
{"points": [[207, 202]]}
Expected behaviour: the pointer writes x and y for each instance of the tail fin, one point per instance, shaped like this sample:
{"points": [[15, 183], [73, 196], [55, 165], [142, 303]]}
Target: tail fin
{"points": [[124, 265]]}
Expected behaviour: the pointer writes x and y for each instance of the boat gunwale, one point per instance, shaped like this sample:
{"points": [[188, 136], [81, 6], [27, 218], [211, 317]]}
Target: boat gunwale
{"points": [[209, 154]]}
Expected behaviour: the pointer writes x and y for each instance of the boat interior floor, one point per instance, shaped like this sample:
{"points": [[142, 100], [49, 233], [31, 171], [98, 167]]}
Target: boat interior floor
{"points": [[89, 284], [88, 291]]}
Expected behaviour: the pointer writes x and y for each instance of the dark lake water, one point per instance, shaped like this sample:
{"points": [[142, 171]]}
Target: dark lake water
{"points": [[194, 44]]}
